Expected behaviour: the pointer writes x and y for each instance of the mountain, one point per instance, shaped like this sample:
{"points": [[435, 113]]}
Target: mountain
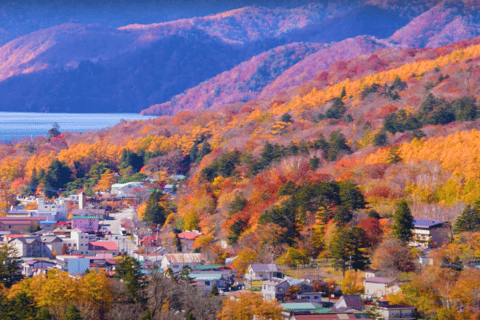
{"points": [[240, 84], [178, 65], [447, 22]]}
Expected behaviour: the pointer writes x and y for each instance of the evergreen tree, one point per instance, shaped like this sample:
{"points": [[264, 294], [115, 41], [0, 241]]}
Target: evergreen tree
{"points": [[9, 265], [339, 250], [72, 313], [33, 184], [190, 316], [380, 139], [206, 149], [337, 109], [21, 306], [238, 204], [193, 152], [314, 162], [468, 221], [57, 177], [348, 248], [336, 144], [154, 212], [403, 222], [53, 132], [43, 314], [358, 242], [213, 291], [286, 117], [129, 270]]}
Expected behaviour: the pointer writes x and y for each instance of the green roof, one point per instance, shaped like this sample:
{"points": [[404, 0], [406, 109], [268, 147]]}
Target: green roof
{"points": [[206, 267], [205, 276], [298, 306], [85, 217], [323, 310]]}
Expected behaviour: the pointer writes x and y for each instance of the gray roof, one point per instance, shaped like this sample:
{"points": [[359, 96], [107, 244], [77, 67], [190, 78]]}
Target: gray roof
{"points": [[426, 223], [257, 267], [276, 281], [49, 239], [380, 280], [353, 302], [27, 240]]}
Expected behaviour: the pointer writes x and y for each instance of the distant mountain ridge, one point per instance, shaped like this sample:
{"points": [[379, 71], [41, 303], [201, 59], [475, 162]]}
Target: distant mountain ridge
{"points": [[211, 61]]}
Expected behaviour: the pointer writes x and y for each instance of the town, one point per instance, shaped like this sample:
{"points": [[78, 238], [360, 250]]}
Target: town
{"points": [[74, 234]]}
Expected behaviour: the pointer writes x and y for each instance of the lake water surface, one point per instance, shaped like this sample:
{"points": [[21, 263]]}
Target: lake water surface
{"points": [[31, 124]]}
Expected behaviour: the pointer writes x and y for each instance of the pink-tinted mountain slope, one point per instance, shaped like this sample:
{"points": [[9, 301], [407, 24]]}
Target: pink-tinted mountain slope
{"points": [[447, 22], [242, 83]]}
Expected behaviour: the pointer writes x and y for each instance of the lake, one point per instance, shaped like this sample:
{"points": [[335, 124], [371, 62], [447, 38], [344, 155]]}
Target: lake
{"points": [[31, 124]]}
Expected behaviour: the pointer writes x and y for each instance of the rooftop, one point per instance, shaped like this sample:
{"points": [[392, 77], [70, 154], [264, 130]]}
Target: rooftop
{"points": [[103, 245], [426, 223], [298, 306], [380, 280], [85, 217], [257, 267]]}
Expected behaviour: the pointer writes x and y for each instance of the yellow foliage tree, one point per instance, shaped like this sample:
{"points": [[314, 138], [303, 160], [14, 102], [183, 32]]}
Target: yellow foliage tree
{"points": [[351, 284], [247, 306], [106, 180]]}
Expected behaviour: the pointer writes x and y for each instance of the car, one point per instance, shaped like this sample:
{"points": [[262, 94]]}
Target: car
{"points": [[116, 237]]}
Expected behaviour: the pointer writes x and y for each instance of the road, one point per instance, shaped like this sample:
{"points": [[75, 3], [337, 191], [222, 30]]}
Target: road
{"points": [[113, 224]]}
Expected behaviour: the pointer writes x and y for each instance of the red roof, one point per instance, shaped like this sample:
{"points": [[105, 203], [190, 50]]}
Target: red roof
{"points": [[189, 235], [103, 245]]}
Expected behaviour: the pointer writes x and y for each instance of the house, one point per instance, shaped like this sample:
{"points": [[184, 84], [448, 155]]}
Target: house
{"points": [[52, 245], [30, 267], [20, 224], [85, 223], [208, 280], [125, 188], [187, 238], [262, 272], [370, 273], [101, 213], [376, 287], [95, 247], [77, 243], [304, 286], [391, 312], [176, 261], [275, 288], [350, 303], [27, 246], [429, 233], [292, 308], [78, 266], [310, 296]]}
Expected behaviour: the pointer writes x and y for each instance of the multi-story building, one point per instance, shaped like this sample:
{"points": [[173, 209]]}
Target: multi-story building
{"points": [[429, 233]]}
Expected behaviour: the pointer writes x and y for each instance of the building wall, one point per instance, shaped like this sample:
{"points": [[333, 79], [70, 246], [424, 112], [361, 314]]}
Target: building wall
{"points": [[85, 224], [80, 242], [375, 289]]}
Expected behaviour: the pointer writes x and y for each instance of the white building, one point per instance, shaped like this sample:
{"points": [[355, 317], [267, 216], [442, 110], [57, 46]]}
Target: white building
{"points": [[78, 242], [125, 188], [52, 245], [176, 261], [377, 287], [275, 288], [393, 312], [261, 272], [429, 233]]}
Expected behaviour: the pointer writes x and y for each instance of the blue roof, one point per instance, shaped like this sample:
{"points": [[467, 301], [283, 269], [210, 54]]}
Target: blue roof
{"points": [[48, 222], [426, 223]]}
